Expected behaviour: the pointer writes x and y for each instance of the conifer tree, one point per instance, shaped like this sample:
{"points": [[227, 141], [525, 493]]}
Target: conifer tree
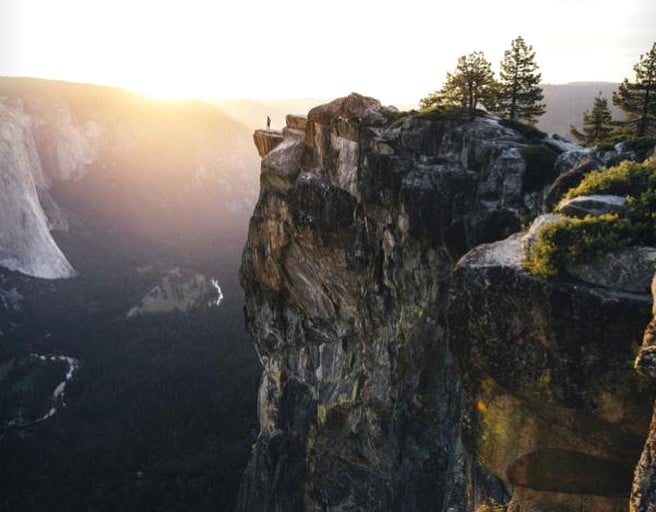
{"points": [[520, 96], [598, 125], [638, 99], [470, 86]]}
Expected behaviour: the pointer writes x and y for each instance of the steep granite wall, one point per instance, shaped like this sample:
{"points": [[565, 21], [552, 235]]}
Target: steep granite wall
{"points": [[25, 242], [346, 275]]}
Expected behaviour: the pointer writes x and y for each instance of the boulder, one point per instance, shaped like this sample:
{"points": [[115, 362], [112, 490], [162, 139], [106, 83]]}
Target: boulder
{"points": [[570, 177], [629, 269], [266, 140], [600, 204], [549, 405], [352, 106], [281, 165], [296, 121]]}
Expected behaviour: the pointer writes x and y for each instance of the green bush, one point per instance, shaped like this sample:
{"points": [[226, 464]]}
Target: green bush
{"points": [[572, 240], [626, 179]]}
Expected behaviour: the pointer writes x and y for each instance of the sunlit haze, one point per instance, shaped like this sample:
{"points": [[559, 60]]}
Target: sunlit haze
{"points": [[395, 51]]}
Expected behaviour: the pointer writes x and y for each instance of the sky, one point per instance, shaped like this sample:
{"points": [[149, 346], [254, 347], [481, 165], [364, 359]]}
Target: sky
{"points": [[396, 51]]}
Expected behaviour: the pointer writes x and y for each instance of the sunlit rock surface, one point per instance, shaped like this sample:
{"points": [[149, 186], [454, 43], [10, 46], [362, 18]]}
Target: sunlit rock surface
{"points": [[25, 242], [66, 146], [346, 275], [266, 140]]}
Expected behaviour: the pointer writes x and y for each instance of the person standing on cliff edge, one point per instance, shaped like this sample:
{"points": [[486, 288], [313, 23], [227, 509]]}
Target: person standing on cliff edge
{"points": [[268, 123]]}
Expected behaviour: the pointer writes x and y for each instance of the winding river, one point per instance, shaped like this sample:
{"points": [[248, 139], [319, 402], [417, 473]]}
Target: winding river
{"points": [[58, 394]]}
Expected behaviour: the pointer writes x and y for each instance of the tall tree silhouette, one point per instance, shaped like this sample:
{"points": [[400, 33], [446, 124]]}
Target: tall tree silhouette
{"points": [[638, 99], [520, 96], [470, 86], [598, 125]]}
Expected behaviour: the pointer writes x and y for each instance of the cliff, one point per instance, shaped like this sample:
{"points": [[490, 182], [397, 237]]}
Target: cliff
{"points": [[550, 404], [347, 276], [643, 492], [105, 165], [26, 244]]}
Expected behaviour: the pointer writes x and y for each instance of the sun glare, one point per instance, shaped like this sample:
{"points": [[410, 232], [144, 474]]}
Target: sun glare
{"points": [[165, 89]]}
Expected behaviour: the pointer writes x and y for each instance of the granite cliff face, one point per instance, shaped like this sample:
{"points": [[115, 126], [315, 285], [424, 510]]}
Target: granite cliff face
{"points": [[347, 272], [26, 244], [550, 404]]}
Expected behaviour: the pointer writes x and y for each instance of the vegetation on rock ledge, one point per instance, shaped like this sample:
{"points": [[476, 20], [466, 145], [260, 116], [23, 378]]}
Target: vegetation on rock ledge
{"points": [[572, 240]]}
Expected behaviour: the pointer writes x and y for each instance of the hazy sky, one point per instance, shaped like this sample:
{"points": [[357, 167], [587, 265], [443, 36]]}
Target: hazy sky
{"points": [[396, 50]]}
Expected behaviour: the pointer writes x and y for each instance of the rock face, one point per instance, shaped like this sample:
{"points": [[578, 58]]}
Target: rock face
{"points": [[266, 140], [593, 205], [549, 404], [643, 493], [26, 244], [346, 276]]}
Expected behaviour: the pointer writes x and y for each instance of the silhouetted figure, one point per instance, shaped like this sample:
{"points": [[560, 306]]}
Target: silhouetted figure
{"points": [[268, 123]]}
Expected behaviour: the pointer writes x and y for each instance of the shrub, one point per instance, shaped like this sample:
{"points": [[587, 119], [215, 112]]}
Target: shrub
{"points": [[626, 179], [574, 240]]}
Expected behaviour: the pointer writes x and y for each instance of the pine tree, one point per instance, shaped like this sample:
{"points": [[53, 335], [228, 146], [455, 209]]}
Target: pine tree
{"points": [[638, 99], [520, 96], [470, 86], [598, 125]]}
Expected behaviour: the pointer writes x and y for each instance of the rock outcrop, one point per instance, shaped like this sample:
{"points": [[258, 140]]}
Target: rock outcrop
{"points": [[643, 492], [346, 275], [549, 404], [266, 140], [26, 244]]}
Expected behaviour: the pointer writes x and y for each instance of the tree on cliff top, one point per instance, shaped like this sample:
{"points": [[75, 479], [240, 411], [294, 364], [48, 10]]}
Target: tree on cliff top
{"points": [[638, 99], [471, 85], [519, 96], [598, 125]]}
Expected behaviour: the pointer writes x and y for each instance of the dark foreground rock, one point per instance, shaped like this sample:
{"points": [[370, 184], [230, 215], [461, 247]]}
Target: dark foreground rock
{"points": [[550, 404]]}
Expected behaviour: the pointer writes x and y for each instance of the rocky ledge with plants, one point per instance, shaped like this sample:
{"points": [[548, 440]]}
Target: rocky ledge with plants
{"points": [[401, 372]]}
